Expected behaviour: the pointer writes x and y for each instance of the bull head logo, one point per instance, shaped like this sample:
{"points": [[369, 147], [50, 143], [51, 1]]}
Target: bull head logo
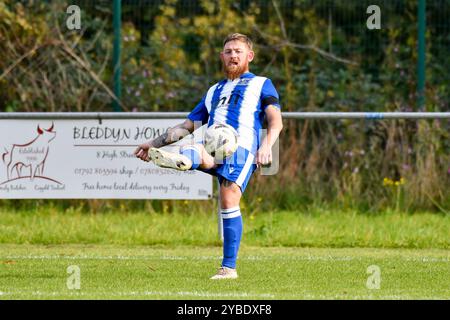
{"points": [[49, 130], [31, 155]]}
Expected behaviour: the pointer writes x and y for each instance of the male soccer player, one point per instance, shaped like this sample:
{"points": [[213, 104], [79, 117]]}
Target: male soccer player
{"points": [[242, 100]]}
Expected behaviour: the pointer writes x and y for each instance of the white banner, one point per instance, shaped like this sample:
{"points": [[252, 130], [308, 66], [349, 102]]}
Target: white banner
{"points": [[83, 159]]}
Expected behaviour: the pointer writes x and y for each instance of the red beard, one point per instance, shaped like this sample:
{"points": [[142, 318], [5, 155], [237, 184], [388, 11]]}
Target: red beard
{"points": [[233, 71]]}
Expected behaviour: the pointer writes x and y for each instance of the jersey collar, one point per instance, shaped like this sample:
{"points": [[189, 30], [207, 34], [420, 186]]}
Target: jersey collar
{"points": [[243, 76]]}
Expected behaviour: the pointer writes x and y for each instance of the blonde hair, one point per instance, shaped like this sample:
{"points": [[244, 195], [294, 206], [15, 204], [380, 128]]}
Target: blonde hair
{"points": [[240, 37]]}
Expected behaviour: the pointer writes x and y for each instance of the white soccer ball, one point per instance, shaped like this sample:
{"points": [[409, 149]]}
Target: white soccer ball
{"points": [[221, 141]]}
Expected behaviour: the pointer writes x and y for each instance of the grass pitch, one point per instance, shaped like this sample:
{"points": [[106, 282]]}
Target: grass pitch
{"points": [[317, 254], [314, 227], [124, 272]]}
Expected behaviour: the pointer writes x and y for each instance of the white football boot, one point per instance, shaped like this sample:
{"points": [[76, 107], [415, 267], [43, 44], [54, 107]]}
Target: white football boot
{"points": [[171, 160], [225, 273]]}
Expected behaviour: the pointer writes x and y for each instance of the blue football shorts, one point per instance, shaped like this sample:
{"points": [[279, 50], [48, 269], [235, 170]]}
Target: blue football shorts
{"points": [[237, 168]]}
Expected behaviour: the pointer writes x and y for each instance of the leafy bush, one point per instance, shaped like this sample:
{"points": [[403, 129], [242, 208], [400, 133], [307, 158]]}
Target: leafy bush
{"points": [[320, 57]]}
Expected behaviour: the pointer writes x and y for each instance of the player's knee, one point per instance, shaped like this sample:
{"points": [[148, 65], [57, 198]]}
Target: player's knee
{"points": [[230, 194]]}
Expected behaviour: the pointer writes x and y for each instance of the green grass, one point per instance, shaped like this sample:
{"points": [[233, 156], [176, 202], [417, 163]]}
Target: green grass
{"points": [[125, 272], [316, 254], [312, 228]]}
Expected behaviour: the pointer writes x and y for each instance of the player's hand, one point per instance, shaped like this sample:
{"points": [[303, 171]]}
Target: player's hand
{"points": [[264, 156], [142, 152]]}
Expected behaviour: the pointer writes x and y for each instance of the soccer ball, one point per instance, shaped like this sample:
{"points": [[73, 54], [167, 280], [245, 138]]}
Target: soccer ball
{"points": [[221, 141]]}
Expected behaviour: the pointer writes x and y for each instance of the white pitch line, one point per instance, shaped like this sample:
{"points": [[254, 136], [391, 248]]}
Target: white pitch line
{"points": [[143, 293], [249, 258], [216, 295], [361, 297]]}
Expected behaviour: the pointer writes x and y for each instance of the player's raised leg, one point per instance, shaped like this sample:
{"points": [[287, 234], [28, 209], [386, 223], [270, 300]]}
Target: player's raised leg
{"points": [[191, 157]]}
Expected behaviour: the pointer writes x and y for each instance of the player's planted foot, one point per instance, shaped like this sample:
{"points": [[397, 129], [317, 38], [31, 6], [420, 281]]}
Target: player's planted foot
{"points": [[225, 273], [169, 160]]}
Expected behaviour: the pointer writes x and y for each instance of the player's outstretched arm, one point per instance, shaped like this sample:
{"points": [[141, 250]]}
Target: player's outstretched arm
{"points": [[274, 127], [172, 135]]}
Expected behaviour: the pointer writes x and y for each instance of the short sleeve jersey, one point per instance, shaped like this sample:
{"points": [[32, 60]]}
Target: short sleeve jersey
{"points": [[239, 103]]}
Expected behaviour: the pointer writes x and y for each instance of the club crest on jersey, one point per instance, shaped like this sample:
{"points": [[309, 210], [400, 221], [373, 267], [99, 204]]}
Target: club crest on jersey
{"points": [[243, 82]]}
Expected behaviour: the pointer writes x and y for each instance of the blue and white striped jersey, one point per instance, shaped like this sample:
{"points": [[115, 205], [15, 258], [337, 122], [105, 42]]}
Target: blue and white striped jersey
{"points": [[239, 103]]}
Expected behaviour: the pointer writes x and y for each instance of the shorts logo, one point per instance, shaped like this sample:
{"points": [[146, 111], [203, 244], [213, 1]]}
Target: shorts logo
{"points": [[230, 170]]}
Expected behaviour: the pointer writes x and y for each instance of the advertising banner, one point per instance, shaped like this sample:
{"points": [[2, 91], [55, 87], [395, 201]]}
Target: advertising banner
{"points": [[91, 159]]}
